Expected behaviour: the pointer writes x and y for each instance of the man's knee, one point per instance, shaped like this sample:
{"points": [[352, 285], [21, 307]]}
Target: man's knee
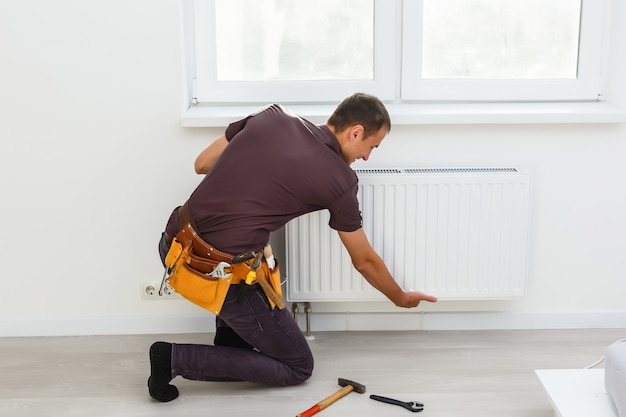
{"points": [[301, 373]]}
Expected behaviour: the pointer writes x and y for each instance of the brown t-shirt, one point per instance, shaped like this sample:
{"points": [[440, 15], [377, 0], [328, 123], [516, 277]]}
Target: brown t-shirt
{"points": [[277, 166]]}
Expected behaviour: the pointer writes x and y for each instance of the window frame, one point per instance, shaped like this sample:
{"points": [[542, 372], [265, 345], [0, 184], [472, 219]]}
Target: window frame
{"points": [[404, 111], [208, 89], [588, 85]]}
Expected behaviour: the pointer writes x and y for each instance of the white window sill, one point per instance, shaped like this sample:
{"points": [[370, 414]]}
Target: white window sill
{"points": [[418, 114]]}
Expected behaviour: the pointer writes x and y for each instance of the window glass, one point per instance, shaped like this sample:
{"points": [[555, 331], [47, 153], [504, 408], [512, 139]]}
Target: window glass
{"points": [[503, 39], [291, 40], [502, 50]]}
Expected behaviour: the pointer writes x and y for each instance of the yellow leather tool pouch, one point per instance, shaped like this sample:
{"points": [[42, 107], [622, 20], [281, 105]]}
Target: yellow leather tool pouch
{"points": [[176, 249], [196, 286]]}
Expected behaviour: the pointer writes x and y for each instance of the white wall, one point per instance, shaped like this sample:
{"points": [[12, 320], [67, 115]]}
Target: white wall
{"points": [[93, 159]]}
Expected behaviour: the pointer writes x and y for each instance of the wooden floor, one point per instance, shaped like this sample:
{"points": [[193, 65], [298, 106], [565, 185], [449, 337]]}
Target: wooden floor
{"points": [[454, 373]]}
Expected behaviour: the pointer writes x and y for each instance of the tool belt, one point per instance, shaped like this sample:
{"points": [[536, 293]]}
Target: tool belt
{"points": [[203, 274]]}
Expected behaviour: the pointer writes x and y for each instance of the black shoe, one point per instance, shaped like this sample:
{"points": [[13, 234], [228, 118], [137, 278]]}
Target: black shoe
{"points": [[161, 373]]}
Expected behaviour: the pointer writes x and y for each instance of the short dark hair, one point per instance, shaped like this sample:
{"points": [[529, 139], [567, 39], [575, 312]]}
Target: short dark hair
{"points": [[363, 109]]}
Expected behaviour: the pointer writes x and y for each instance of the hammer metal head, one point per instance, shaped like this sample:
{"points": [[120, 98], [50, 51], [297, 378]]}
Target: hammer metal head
{"points": [[356, 387]]}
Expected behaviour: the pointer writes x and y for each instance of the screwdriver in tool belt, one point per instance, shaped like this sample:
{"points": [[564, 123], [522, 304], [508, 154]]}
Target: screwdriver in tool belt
{"points": [[269, 257], [250, 277]]}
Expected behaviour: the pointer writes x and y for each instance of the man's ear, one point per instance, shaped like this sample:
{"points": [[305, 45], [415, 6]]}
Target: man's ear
{"points": [[356, 132]]}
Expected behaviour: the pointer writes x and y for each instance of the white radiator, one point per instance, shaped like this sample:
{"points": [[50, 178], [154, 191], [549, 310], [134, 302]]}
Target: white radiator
{"points": [[456, 233]]}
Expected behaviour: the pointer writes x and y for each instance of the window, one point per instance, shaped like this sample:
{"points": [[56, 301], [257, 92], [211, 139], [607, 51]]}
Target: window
{"points": [[502, 50], [407, 52], [292, 50]]}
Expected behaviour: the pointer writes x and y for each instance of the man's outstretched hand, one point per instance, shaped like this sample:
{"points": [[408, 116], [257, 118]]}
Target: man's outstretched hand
{"points": [[413, 298]]}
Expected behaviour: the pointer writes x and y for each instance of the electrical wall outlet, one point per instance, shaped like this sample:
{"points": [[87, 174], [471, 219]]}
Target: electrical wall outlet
{"points": [[150, 291]]}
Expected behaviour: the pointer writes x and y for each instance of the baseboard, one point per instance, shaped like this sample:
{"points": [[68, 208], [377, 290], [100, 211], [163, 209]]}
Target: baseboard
{"points": [[474, 320], [361, 321], [85, 326]]}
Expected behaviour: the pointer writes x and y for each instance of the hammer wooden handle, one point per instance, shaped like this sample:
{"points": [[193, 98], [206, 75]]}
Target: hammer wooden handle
{"points": [[313, 410], [326, 402], [271, 294]]}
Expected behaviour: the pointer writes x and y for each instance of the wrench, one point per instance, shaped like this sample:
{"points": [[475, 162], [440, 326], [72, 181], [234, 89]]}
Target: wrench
{"points": [[411, 405], [219, 271]]}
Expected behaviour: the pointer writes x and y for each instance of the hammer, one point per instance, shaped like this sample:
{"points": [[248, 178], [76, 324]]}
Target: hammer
{"points": [[348, 386]]}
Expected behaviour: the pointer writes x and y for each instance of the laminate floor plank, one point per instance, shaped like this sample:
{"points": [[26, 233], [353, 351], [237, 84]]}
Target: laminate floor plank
{"points": [[454, 373]]}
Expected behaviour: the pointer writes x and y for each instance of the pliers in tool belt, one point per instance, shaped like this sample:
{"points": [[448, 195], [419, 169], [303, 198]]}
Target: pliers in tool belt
{"points": [[250, 277]]}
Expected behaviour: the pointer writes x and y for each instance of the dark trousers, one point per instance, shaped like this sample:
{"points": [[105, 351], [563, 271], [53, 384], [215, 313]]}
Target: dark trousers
{"points": [[281, 354]]}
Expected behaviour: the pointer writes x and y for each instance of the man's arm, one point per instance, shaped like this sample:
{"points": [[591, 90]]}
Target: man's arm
{"points": [[371, 266], [208, 157]]}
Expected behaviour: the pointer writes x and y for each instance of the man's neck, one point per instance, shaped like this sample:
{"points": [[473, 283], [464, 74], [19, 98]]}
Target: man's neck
{"points": [[337, 136]]}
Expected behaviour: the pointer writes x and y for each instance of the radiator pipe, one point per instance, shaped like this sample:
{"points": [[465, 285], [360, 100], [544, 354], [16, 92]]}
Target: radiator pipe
{"points": [[294, 311], [307, 312]]}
